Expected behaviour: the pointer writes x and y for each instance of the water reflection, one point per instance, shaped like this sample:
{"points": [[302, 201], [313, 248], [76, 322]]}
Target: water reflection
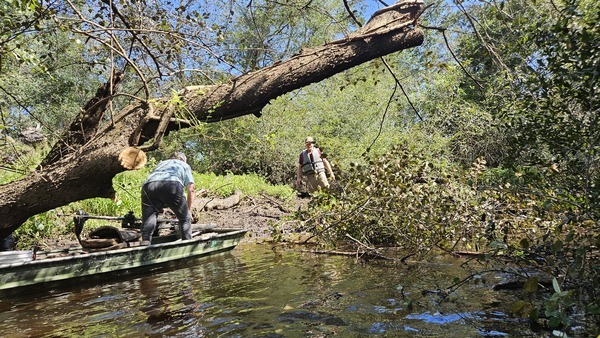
{"points": [[257, 292]]}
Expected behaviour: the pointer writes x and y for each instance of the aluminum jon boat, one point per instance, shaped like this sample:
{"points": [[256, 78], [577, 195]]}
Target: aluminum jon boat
{"points": [[19, 269]]}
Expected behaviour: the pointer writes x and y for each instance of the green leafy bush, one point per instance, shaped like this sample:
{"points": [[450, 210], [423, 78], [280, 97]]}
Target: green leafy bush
{"points": [[400, 198]]}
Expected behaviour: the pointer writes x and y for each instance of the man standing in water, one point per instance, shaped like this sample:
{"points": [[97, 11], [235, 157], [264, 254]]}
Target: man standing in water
{"points": [[312, 166], [165, 187]]}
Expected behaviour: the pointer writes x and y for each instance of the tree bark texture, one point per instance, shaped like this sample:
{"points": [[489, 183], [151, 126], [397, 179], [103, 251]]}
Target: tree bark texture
{"points": [[84, 162]]}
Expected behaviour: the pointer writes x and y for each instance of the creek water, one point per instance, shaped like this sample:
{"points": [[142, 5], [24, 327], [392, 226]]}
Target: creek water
{"points": [[258, 291]]}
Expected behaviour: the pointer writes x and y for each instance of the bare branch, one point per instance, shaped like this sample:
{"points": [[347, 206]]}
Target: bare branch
{"points": [[443, 30]]}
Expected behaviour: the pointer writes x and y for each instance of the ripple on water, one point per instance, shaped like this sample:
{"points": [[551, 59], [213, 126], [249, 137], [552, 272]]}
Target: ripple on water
{"points": [[259, 292]]}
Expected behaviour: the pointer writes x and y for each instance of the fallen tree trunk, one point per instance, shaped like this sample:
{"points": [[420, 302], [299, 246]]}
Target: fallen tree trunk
{"points": [[83, 167], [212, 203]]}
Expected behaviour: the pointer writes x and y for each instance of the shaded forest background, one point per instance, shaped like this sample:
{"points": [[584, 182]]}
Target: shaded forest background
{"points": [[484, 138]]}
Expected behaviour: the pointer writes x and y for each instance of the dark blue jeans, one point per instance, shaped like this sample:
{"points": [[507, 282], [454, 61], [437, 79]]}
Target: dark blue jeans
{"points": [[160, 194]]}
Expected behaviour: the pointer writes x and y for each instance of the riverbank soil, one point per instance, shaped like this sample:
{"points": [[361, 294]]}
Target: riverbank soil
{"points": [[264, 217]]}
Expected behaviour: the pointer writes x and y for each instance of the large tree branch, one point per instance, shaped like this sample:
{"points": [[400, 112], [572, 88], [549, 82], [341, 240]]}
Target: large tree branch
{"points": [[391, 31], [88, 171], [86, 125]]}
